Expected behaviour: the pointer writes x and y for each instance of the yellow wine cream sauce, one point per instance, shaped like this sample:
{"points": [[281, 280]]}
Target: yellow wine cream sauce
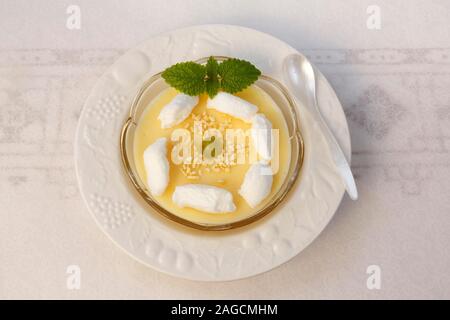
{"points": [[149, 129]]}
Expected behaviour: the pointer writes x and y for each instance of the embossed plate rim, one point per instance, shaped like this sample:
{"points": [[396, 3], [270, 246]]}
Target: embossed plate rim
{"points": [[253, 250]]}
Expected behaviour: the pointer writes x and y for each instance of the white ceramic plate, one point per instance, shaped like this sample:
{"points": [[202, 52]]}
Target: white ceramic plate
{"points": [[166, 246]]}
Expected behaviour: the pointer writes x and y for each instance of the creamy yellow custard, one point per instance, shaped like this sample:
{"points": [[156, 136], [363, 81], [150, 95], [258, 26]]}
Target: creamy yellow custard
{"points": [[229, 177]]}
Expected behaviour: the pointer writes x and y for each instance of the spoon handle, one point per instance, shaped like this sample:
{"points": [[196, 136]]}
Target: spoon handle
{"points": [[338, 156]]}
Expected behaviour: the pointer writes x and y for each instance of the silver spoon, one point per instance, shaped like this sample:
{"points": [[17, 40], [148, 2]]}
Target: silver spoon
{"points": [[300, 76]]}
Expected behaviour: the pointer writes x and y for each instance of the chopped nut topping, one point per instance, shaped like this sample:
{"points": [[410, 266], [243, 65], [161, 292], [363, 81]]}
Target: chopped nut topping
{"points": [[217, 164]]}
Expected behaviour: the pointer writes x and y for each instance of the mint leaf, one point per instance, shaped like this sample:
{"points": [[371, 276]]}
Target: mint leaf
{"points": [[186, 77], [212, 80], [232, 75], [236, 75]]}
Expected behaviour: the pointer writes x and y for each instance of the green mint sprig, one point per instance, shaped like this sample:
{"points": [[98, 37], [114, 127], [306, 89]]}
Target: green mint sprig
{"points": [[232, 75]]}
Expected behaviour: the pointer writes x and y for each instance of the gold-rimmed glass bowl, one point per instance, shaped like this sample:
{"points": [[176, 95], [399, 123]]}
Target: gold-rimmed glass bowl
{"points": [[282, 98]]}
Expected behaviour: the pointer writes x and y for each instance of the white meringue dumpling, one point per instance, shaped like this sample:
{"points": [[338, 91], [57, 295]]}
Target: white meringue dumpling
{"points": [[177, 110]]}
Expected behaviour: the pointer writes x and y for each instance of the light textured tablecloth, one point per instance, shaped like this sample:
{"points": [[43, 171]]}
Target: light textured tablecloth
{"points": [[394, 84]]}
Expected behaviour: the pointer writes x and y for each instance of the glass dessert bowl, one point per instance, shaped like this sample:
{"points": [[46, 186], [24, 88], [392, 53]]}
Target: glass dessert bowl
{"points": [[142, 128]]}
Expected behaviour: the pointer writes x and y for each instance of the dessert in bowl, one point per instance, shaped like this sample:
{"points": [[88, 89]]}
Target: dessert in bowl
{"points": [[216, 160]]}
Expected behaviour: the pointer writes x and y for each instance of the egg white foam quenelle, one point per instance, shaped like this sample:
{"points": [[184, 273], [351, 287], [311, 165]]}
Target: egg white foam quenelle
{"points": [[257, 183], [261, 134], [157, 166], [177, 110], [204, 198], [232, 105]]}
